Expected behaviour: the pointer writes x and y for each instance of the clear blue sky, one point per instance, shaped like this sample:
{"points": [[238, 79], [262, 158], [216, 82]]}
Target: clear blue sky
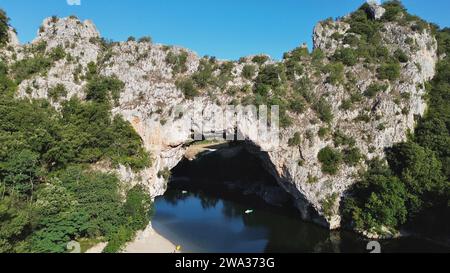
{"points": [[227, 29]]}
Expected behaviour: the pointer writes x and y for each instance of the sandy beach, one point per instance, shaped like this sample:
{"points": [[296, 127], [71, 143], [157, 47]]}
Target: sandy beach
{"points": [[146, 241]]}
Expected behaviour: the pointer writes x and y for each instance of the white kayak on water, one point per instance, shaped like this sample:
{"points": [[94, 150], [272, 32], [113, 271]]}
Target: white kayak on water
{"points": [[248, 211]]}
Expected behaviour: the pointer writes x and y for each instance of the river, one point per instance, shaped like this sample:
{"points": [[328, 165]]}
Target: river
{"points": [[205, 216]]}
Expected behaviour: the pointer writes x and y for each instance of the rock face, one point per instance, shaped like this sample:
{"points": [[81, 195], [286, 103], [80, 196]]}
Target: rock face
{"points": [[151, 98], [376, 10]]}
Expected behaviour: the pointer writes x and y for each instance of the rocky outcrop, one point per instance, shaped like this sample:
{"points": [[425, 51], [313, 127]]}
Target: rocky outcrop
{"points": [[375, 10], [150, 100]]}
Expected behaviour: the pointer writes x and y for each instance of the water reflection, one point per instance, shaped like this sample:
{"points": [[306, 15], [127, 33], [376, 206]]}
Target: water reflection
{"points": [[203, 214]]}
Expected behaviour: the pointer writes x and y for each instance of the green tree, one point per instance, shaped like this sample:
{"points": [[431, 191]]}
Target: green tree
{"points": [[420, 171], [377, 201]]}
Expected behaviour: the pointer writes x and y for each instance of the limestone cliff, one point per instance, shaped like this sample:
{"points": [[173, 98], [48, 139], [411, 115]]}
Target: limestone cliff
{"points": [[151, 96]]}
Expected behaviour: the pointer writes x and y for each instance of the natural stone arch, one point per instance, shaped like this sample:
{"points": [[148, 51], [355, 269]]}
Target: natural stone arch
{"points": [[169, 142]]}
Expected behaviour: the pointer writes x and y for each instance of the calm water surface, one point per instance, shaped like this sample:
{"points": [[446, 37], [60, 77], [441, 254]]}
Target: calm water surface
{"points": [[202, 214], [204, 223]]}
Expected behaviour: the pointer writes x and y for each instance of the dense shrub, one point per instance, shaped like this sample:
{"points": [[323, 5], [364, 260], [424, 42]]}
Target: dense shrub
{"points": [[331, 160], [401, 56], [340, 139], [187, 87], [269, 77], [297, 105], [323, 110], [55, 93], [204, 75], [57, 53], [389, 71], [26, 68], [260, 59], [420, 171], [248, 71], [374, 89], [347, 56], [352, 156], [335, 72], [103, 89], [394, 9], [297, 54], [145, 39], [293, 69]]}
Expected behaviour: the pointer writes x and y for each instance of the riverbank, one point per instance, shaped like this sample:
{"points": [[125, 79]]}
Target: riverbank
{"points": [[146, 241]]}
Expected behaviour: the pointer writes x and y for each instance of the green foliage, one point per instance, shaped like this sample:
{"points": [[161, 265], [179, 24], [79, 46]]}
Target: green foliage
{"points": [[117, 240], [57, 53], [98, 136], [323, 132], [374, 89], [328, 205], [347, 56], [420, 171], [401, 56], [270, 77], [346, 105], [323, 110], [361, 23], [137, 208], [145, 39], [178, 61], [417, 179], [389, 71], [377, 201], [204, 75], [293, 68], [4, 26], [248, 71], [394, 9], [260, 59], [297, 104], [335, 72], [165, 174], [104, 89], [340, 139], [296, 140], [27, 68], [136, 215], [352, 156], [58, 91], [297, 55], [7, 86], [188, 88], [303, 87], [331, 160], [49, 195]]}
